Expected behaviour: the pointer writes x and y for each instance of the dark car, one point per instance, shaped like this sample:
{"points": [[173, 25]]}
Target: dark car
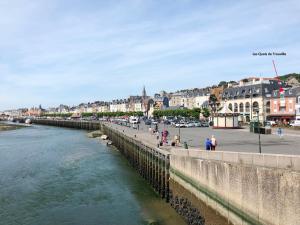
{"points": [[147, 122], [167, 122]]}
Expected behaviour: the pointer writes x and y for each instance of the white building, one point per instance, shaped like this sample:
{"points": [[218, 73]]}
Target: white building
{"points": [[200, 100], [104, 107]]}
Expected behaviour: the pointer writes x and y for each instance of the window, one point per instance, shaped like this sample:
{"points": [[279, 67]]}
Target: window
{"points": [[230, 106], [268, 110], [241, 107], [235, 107], [255, 107], [247, 107]]}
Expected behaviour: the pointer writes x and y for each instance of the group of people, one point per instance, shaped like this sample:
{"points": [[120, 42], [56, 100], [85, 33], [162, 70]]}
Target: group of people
{"points": [[211, 144]]}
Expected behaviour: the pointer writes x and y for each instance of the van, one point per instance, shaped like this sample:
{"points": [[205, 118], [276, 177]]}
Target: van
{"points": [[134, 120]]}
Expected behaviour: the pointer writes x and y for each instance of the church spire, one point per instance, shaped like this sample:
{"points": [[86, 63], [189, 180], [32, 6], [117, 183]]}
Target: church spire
{"points": [[144, 94]]}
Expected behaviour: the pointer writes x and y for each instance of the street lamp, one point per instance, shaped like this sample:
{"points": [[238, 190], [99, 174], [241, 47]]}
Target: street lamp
{"points": [[179, 133], [259, 142]]}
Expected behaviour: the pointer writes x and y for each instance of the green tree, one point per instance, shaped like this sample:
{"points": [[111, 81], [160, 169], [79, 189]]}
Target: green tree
{"points": [[205, 112]]}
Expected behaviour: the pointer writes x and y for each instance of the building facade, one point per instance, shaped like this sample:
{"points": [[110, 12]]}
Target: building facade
{"points": [[251, 98], [283, 106]]}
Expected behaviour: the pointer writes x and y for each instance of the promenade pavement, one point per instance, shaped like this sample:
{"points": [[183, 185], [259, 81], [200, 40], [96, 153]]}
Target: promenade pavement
{"points": [[235, 140]]}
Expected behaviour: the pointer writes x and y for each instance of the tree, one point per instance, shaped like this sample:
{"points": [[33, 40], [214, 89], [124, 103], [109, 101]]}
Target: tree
{"points": [[205, 112], [213, 99], [222, 83], [178, 112]]}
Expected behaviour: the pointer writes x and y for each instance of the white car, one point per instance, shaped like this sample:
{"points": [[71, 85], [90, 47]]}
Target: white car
{"points": [[272, 123], [296, 123], [190, 124], [181, 124]]}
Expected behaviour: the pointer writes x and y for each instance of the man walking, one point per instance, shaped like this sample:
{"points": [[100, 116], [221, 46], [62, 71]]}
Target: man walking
{"points": [[213, 143], [207, 144]]}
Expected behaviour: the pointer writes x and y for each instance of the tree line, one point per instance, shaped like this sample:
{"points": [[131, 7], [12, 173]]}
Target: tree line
{"points": [[182, 112]]}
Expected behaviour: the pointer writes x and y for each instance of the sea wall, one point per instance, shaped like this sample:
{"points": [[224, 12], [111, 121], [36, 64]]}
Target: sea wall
{"points": [[246, 188]]}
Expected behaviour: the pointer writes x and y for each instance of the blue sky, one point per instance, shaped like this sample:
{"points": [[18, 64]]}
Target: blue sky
{"points": [[71, 51]]}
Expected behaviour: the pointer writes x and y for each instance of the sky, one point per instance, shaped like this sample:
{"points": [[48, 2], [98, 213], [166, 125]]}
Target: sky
{"points": [[71, 51]]}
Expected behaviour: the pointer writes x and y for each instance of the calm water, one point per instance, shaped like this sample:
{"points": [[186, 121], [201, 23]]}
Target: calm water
{"points": [[57, 176]]}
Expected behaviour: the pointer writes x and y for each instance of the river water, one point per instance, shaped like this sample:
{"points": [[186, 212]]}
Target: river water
{"points": [[57, 176]]}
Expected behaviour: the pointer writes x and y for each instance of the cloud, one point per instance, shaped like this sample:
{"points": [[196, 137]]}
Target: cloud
{"points": [[109, 49]]}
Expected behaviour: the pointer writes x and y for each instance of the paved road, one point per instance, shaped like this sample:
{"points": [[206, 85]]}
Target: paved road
{"points": [[240, 140]]}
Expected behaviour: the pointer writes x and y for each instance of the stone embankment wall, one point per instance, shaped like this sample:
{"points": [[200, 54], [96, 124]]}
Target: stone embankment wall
{"points": [[78, 124], [246, 188], [151, 163]]}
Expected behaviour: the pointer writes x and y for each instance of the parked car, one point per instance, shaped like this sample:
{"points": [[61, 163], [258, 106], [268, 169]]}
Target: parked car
{"points": [[180, 124], [147, 122], [197, 124], [204, 124], [167, 122], [270, 123], [154, 122], [295, 123], [190, 124]]}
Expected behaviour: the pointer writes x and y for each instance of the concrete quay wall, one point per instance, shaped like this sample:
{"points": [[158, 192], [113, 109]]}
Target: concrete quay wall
{"points": [[245, 188]]}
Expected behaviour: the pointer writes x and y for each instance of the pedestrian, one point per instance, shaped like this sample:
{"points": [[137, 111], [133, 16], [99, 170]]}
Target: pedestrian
{"points": [[176, 139], [157, 135], [280, 132], [138, 126], [213, 142], [207, 144]]}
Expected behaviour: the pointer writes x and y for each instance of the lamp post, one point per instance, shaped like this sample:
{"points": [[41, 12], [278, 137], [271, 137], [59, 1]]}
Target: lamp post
{"points": [[179, 133], [251, 106], [259, 142]]}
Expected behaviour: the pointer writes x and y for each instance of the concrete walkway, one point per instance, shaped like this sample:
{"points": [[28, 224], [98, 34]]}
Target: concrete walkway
{"points": [[228, 140]]}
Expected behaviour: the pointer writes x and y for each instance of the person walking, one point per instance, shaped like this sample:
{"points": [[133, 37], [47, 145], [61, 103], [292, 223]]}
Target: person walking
{"points": [[208, 144], [280, 132], [213, 143], [164, 136], [176, 139]]}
